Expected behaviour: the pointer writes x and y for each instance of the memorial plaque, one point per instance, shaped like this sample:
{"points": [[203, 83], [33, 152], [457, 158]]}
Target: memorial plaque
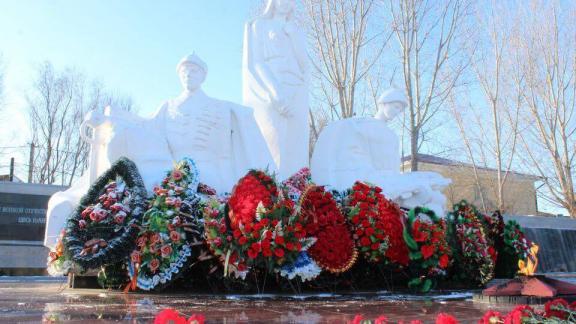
{"points": [[22, 217]]}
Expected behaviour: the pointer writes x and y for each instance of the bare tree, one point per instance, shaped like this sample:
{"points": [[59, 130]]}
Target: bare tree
{"points": [[546, 54], [493, 138], [429, 35], [56, 107], [344, 52]]}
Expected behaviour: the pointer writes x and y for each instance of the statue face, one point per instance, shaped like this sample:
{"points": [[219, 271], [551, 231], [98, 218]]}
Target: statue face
{"points": [[191, 77], [389, 110], [284, 7]]}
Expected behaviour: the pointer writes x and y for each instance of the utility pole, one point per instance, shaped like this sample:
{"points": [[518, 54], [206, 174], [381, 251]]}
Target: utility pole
{"points": [[31, 163], [11, 169]]}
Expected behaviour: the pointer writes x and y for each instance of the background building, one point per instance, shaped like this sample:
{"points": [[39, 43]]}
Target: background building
{"points": [[519, 190]]}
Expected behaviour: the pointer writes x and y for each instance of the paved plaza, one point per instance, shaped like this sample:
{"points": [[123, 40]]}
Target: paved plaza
{"points": [[35, 299]]}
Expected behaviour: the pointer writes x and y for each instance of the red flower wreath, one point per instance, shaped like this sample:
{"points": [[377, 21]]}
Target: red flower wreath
{"points": [[334, 249], [254, 188], [377, 224]]}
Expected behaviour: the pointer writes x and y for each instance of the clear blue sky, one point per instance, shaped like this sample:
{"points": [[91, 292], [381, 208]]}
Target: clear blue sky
{"points": [[131, 46]]}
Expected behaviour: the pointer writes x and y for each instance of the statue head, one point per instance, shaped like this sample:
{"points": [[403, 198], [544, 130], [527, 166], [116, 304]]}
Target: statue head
{"points": [[279, 8], [192, 72], [391, 104]]}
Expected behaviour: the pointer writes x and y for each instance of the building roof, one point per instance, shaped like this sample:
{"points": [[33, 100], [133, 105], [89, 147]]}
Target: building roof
{"points": [[6, 177], [431, 159]]}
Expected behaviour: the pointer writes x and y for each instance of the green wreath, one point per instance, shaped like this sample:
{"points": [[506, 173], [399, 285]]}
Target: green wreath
{"points": [[429, 254], [119, 243]]}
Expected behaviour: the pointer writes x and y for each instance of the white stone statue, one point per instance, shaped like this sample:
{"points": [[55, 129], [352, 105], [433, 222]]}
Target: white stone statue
{"points": [[275, 83], [366, 149], [221, 137]]}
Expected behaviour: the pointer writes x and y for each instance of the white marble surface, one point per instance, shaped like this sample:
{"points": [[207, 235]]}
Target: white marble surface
{"points": [[275, 74], [366, 149]]}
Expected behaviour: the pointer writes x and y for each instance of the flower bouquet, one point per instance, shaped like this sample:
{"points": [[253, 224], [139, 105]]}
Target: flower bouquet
{"points": [[171, 226], [472, 250], [515, 247], [59, 263], [261, 230], [377, 225], [104, 227], [430, 253], [334, 249]]}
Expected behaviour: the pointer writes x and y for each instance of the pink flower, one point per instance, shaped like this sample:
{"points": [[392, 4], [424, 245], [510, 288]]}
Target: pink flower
{"points": [[135, 257], [444, 318], [381, 320], [154, 264], [177, 175], [82, 223], [196, 319], [491, 317], [155, 238], [175, 236], [169, 316], [357, 319], [166, 250]]}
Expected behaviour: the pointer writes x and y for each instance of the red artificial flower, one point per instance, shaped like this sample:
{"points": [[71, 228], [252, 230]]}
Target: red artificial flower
{"points": [[279, 240], [252, 254], [549, 312], [365, 241], [237, 233], [516, 315], [279, 253], [175, 236], [196, 319], [169, 316], [242, 240], [573, 306], [444, 261], [444, 318], [334, 248], [357, 319], [255, 246], [267, 253], [427, 251], [381, 320], [491, 317]]}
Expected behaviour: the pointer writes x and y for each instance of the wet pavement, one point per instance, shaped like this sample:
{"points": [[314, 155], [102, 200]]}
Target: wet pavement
{"points": [[36, 299]]}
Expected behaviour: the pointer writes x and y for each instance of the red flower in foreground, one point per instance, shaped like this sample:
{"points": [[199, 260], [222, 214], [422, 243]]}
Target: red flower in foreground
{"points": [[444, 318], [196, 319], [357, 319], [491, 317], [516, 315], [551, 311], [169, 316], [381, 320]]}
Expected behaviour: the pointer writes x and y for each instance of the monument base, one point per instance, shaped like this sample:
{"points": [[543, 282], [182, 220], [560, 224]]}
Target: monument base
{"points": [[536, 289]]}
